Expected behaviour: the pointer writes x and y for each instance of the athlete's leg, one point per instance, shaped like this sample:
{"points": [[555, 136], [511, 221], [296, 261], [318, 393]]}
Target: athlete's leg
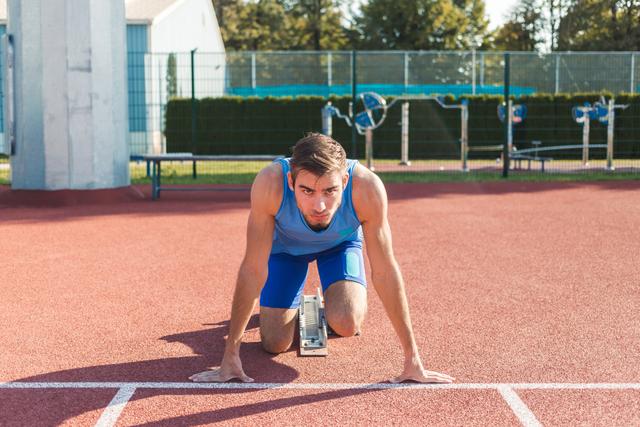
{"points": [[277, 328], [279, 301], [345, 307], [344, 286]]}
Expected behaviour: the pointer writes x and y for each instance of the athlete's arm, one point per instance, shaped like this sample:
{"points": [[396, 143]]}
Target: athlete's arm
{"points": [[370, 202], [266, 194]]}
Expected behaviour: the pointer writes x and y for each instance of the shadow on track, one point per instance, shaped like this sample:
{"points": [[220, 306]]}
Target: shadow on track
{"points": [[55, 406]]}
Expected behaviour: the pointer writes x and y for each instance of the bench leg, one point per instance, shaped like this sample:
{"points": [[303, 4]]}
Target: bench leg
{"points": [[155, 180]]}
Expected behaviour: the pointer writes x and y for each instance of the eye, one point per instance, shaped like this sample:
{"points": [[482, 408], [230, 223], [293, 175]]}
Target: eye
{"points": [[307, 191]]}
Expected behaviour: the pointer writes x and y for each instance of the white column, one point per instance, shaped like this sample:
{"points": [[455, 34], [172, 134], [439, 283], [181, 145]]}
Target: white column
{"points": [[70, 94]]}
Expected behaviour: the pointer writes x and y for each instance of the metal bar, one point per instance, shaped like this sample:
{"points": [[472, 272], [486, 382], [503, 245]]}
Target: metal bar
{"points": [[610, 127], [507, 129], [253, 71], [464, 136], [404, 136], [186, 157], [153, 182], [368, 136], [585, 139], [327, 119], [557, 148]]}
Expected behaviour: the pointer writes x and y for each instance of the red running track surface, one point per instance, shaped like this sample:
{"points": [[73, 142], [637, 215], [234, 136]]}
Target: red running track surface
{"points": [[507, 282]]}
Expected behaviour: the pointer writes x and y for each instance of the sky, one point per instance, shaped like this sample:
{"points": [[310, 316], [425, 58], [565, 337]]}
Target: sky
{"points": [[496, 9]]}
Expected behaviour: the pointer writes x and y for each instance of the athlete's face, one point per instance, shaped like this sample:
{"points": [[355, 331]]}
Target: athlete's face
{"points": [[318, 198]]}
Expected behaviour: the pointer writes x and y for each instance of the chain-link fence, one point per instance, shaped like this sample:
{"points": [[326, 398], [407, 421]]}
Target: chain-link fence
{"points": [[262, 102]]}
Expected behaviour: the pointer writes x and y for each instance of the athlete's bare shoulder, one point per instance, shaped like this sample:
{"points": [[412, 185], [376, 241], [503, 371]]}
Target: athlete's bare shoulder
{"points": [[369, 195], [266, 191]]}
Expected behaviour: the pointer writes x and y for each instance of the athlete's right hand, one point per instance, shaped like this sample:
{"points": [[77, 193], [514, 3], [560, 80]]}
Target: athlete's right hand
{"points": [[230, 368]]}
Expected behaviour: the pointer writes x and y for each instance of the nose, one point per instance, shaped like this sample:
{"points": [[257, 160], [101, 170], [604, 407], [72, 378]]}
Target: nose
{"points": [[320, 205]]}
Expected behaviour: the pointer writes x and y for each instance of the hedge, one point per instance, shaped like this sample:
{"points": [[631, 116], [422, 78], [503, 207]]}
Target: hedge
{"points": [[236, 125]]}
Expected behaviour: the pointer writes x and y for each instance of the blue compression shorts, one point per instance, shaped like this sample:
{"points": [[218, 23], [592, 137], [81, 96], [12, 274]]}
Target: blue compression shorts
{"points": [[288, 273]]}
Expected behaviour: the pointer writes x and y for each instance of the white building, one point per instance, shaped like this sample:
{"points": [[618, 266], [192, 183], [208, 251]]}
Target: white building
{"points": [[156, 29]]}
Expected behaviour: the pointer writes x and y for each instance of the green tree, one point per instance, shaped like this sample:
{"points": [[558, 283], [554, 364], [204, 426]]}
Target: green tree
{"points": [[316, 24], [600, 25], [524, 31], [254, 25], [421, 24]]}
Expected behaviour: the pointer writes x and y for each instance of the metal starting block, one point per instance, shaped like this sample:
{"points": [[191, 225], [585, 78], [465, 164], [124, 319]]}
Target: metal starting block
{"points": [[313, 326]]}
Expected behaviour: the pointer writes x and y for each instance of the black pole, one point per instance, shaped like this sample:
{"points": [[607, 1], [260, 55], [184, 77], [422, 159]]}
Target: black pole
{"points": [[354, 133], [194, 128], [507, 116]]}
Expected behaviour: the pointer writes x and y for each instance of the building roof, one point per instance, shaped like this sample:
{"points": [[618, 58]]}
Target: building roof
{"points": [[136, 10], [146, 10]]}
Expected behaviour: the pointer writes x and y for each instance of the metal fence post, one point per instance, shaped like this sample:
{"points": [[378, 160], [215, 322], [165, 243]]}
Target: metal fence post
{"points": [[633, 72], [368, 135], [464, 135], [557, 88], [194, 127], [586, 128], [473, 71], [507, 128], [329, 69], [253, 71], [327, 121], [404, 136], [610, 127], [354, 131], [481, 70], [406, 71]]}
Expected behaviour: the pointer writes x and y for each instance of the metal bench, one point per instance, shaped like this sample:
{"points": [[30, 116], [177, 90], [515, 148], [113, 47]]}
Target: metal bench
{"points": [[156, 168], [518, 158]]}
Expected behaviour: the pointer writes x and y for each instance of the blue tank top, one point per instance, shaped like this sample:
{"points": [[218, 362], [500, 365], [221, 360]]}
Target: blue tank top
{"points": [[293, 235]]}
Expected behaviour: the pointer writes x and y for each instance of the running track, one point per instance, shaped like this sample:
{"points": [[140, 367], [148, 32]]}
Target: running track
{"points": [[527, 293]]}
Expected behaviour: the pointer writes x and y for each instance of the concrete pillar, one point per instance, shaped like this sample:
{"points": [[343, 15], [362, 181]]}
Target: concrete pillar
{"points": [[70, 94]]}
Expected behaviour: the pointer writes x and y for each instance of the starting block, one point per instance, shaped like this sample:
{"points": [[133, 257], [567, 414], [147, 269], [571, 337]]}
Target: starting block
{"points": [[313, 326]]}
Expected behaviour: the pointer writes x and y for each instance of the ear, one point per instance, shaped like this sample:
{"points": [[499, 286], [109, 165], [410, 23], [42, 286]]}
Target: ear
{"points": [[345, 180], [290, 181]]}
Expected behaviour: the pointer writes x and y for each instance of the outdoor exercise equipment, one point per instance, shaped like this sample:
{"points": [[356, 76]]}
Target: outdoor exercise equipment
{"points": [[604, 112], [517, 113], [371, 111]]}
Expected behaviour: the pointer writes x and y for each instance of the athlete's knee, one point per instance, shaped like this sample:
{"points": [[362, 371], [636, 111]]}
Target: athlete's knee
{"points": [[276, 345], [345, 324]]}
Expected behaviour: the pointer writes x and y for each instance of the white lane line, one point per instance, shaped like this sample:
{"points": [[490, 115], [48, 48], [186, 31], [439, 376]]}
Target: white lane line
{"points": [[518, 407], [114, 409], [320, 386]]}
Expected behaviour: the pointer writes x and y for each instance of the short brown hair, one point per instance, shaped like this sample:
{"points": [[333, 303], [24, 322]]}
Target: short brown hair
{"points": [[318, 154]]}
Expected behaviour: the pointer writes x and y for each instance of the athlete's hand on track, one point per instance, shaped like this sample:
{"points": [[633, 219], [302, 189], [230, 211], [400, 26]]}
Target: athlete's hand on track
{"points": [[413, 371], [230, 368]]}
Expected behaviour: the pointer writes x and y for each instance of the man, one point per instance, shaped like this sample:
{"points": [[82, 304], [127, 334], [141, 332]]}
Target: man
{"points": [[317, 205]]}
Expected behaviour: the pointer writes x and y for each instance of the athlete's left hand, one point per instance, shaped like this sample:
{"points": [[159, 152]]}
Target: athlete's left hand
{"points": [[413, 371]]}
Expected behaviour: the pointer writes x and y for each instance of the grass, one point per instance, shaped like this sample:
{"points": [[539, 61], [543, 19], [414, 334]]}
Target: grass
{"points": [[244, 173]]}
